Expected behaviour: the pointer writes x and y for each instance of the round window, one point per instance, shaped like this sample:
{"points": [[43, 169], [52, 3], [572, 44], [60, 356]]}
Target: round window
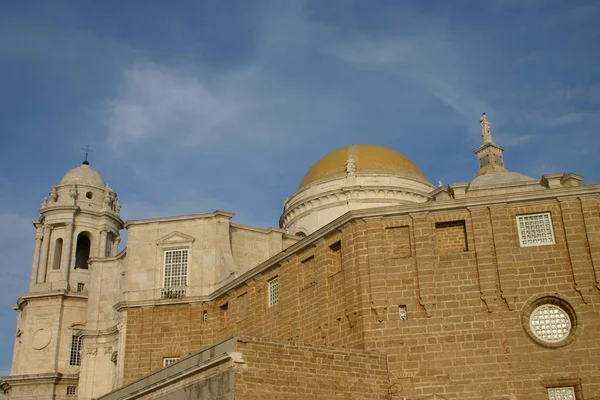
{"points": [[89, 195], [550, 323]]}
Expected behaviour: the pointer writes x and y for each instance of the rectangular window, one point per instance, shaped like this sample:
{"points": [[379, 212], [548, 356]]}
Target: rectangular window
{"points": [[175, 274], [535, 229], [562, 393], [170, 361], [403, 312], [80, 287], [274, 291], [75, 358], [71, 390]]}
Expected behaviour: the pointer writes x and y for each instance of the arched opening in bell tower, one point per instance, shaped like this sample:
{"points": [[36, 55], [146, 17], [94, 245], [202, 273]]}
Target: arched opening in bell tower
{"points": [[82, 252], [57, 254]]}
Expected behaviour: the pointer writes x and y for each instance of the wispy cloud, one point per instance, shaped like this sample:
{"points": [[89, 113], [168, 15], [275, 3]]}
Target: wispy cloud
{"points": [[156, 101], [16, 238]]}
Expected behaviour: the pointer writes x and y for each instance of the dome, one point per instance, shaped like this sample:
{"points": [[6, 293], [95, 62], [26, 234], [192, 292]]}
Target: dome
{"points": [[369, 159], [83, 175], [501, 178]]}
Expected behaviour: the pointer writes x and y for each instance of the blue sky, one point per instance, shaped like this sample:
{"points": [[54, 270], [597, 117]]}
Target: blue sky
{"points": [[193, 106]]}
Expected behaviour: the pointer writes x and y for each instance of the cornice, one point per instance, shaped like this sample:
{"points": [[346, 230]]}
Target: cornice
{"points": [[404, 209], [123, 305], [100, 332], [24, 299], [345, 194], [51, 377], [217, 213], [77, 209], [412, 209]]}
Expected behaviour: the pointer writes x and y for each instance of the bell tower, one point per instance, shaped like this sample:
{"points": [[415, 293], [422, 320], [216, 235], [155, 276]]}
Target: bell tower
{"points": [[79, 220]]}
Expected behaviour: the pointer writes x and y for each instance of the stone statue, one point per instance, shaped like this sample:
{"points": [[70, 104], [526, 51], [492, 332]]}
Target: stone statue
{"points": [[53, 194], [118, 205], [350, 165], [106, 200], [440, 184], [486, 128], [44, 203]]}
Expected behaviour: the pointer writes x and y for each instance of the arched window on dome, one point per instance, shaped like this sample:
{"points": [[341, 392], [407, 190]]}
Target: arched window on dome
{"points": [[82, 252], [58, 246]]}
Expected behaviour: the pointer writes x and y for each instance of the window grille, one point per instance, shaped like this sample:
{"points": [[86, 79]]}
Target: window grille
{"points": [[71, 390], [550, 323], [75, 358], [535, 229], [175, 274], [562, 393], [170, 361], [273, 291], [80, 287]]}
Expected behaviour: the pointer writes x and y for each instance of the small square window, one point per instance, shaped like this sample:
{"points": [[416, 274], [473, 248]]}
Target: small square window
{"points": [[169, 361], [274, 291], [80, 287], [535, 229], [71, 390], [562, 393]]}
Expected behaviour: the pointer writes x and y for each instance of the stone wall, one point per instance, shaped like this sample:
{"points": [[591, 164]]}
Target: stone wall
{"points": [[466, 334], [250, 368], [277, 370]]}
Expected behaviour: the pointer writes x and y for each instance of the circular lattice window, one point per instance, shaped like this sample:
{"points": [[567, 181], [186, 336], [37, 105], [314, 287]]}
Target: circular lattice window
{"points": [[550, 323]]}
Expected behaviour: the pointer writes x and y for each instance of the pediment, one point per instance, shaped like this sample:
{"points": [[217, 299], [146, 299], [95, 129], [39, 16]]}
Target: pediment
{"points": [[175, 238]]}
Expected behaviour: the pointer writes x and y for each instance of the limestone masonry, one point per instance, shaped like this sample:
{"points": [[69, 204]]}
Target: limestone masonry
{"points": [[377, 285]]}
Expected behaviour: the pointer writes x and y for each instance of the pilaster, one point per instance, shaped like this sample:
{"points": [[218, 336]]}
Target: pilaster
{"points": [[486, 256], [43, 266], [67, 251], [425, 260], [115, 249], [36, 258], [573, 221]]}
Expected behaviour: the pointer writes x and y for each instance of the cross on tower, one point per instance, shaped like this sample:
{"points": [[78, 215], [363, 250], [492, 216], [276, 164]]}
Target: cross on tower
{"points": [[87, 151]]}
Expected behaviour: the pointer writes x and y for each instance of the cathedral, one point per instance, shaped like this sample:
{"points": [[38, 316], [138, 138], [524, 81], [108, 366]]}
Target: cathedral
{"points": [[377, 284]]}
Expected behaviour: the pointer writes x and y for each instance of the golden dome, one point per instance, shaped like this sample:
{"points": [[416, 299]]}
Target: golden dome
{"points": [[369, 159]]}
